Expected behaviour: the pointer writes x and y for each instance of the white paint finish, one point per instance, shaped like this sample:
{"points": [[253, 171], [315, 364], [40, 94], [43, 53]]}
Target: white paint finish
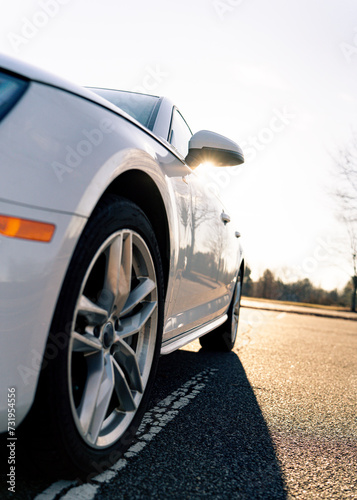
{"points": [[188, 337], [31, 274], [51, 124], [208, 139], [70, 161], [39, 75], [152, 424], [205, 280]]}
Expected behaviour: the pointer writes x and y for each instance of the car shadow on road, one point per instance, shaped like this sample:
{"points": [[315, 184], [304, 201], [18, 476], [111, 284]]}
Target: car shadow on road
{"points": [[218, 446]]}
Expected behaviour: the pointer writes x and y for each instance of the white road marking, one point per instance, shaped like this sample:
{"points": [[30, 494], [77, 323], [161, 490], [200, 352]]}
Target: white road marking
{"points": [[55, 489], [153, 422]]}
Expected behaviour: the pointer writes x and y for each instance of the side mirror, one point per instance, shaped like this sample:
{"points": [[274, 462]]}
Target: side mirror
{"points": [[207, 146]]}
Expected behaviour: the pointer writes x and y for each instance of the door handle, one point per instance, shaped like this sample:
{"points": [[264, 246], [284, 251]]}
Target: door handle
{"points": [[225, 218]]}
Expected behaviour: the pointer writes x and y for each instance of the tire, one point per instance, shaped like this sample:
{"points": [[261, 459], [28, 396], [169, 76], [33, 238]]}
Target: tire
{"points": [[224, 337], [108, 323]]}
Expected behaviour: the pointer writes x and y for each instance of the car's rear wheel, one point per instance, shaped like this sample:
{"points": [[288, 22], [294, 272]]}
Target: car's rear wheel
{"points": [[109, 320], [224, 337]]}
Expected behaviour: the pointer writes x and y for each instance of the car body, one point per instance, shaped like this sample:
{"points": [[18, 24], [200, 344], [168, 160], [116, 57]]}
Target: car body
{"points": [[63, 148]]}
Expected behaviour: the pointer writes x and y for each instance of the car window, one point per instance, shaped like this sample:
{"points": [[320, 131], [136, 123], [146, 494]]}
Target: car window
{"points": [[142, 107], [180, 133]]}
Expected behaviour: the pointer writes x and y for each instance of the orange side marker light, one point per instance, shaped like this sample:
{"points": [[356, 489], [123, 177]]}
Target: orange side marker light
{"points": [[14, 227]]}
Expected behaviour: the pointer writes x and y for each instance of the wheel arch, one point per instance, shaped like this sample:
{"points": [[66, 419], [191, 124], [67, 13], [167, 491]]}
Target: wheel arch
{"points": [[138, 187]]}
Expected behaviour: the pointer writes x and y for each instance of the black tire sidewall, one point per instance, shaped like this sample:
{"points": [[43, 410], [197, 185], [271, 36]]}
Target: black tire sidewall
{"points": [[231, 312], [220, 339]]}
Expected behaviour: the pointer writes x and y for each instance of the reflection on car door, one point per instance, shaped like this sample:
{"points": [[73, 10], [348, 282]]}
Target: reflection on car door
{"points": [[207, 276], [204, 278]]}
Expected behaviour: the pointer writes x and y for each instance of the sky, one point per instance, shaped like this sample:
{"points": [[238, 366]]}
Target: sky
{"points": [[278, 77]]}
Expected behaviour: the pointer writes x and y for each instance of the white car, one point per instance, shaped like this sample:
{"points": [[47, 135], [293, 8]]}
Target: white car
{"points": [[112, 251]]}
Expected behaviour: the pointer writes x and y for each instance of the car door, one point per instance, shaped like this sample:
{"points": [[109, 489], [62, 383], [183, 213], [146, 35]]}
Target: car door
{"points": [[208, 275], [202, 280]]}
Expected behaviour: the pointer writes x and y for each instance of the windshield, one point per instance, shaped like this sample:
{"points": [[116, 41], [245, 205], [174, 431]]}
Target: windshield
{"points": [[142, 107]]}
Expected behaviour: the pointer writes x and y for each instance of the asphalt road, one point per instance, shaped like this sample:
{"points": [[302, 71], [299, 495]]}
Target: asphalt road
{"points": [[275, 419]]}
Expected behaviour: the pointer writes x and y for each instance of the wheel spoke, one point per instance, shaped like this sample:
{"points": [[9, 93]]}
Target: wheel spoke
{"points": [[110, 287], [146, 286], [124, 282], [126, 358], [96, 395], [85, 343], [94, 314], [122, 389], [133, 324], [117, 281]]}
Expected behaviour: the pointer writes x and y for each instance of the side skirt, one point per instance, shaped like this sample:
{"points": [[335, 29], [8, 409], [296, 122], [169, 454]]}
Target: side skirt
{"points": [[187, 337]]}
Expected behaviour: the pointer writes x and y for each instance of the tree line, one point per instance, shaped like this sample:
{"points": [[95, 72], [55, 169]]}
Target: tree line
{"points": [[268, 286], [345, 192]]}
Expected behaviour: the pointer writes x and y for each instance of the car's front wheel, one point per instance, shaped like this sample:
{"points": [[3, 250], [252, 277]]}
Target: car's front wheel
{"points": [[109, 320]]}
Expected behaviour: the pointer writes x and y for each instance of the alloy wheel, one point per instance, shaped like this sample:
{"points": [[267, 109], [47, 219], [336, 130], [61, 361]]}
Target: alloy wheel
{"points": [[113, 338]]}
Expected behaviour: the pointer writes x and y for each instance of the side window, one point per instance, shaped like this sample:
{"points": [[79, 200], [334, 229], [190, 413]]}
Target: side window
{"points": [[180, 133]]}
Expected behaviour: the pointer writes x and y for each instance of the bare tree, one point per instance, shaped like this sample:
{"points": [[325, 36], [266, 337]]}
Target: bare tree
{"points": [[346, 195]]}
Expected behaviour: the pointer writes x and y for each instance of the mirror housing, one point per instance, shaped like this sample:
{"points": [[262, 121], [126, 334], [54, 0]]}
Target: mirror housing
{"points": [[206, 146]]}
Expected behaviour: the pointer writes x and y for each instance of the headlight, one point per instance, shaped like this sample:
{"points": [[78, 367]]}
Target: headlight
{"points": [[11, 89]]}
